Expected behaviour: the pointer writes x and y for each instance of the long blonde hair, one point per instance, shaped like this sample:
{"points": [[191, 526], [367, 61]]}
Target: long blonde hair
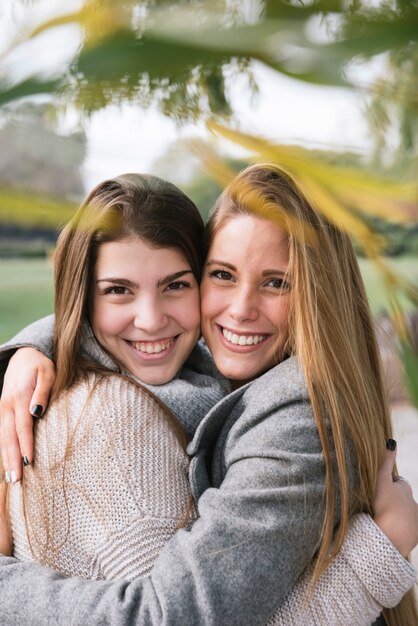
{"points": [[332, 332]]}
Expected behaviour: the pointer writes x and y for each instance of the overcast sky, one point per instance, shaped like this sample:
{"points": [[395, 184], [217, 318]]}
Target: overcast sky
{"points": [[130, 139]]}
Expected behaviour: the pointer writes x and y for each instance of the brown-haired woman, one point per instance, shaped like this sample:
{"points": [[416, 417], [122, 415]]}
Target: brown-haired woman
{"points": [[102, 500], [260, 523]]}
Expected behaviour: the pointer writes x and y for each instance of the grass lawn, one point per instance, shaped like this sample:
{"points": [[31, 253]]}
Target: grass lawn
{"points": [[26, 293], [26, 289]]}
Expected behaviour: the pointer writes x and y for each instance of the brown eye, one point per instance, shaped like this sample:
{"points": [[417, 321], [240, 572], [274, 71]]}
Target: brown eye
{"points": [[117, 291], [221, 274], [279, 284], [177, 286]]}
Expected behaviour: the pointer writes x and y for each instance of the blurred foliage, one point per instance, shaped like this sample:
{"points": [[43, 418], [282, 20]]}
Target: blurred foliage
{"points": [[409, 358], [343, 193], [185, 54], [35, 157], [398, 239], [203, 189], [40, 178], [393, 108], [28, 207]]}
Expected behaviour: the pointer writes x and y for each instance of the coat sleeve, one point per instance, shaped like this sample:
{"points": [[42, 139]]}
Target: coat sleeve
{"points": [[38, 335], [367, 575], [371, 581], [256, 534]]}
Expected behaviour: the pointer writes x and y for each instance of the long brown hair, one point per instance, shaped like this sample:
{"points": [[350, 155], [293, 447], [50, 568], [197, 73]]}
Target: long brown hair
{"points": [[132, 204], [332, 332], [129, 205]]}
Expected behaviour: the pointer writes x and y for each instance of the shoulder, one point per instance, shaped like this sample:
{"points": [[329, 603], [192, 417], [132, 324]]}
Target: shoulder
{"points": [[280, 386], [111, 400], [274, 415]]}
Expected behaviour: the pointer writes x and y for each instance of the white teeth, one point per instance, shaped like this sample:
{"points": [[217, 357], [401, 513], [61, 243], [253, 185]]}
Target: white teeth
{"points": [[152, 348], [242, 340]]}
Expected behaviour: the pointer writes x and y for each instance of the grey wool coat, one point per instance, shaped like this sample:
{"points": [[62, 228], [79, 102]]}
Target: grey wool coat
{"points": [[258, 477]]}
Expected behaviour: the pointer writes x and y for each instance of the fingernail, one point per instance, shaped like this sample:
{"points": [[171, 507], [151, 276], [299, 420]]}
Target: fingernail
{"points": [[391, 444], [7, 477], [25, 460], [37, 410], [13, 476]]}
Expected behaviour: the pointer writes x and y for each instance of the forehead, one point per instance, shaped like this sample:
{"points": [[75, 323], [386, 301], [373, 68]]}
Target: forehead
{"points": [[250, 238], [134, 252]]}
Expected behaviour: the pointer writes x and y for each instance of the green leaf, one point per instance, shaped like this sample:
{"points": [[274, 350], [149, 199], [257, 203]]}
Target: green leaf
{"points": [[28, 87], [124, 56]]}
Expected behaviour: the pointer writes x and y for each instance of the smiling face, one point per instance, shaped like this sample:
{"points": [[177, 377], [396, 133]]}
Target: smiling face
{"points": [[245, 297], [145, 308]]}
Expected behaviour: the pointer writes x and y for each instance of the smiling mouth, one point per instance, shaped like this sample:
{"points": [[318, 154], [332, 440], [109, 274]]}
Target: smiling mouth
{"points": [[153, 347], [243, 340]]}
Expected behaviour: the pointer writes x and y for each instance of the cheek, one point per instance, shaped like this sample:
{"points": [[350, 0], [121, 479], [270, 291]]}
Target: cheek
{"points": [[211, 303], [105, 320], [187, 312], [280, 318]]}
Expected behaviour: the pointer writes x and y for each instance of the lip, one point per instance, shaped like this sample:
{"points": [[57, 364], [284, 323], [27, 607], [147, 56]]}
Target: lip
{"points": [[236, 347], [157, 356]]}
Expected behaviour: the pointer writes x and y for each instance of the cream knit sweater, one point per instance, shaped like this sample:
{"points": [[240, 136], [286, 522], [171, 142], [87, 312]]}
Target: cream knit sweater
{"points": [[120, 495], [123, 491]]}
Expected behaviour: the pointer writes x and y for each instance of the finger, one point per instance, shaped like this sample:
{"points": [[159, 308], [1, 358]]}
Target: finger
{"points": [[3, 449], [405, 485], [11, 454], [398, 479], [6, 544], [23, 430], [40, 397], [37, 405], [24, 433], [389, 459]]}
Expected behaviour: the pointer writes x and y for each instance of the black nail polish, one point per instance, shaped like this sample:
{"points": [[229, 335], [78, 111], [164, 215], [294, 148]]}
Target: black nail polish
{"points": [[25, 461], [37, 410], [391, 444]]}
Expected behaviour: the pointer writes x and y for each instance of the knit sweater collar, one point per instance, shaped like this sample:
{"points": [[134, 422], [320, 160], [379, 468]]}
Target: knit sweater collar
{"points": [[197, 387]]}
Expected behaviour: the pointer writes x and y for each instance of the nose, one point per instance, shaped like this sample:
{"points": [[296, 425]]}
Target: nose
{"points": [[243, 307], [150, 315]]}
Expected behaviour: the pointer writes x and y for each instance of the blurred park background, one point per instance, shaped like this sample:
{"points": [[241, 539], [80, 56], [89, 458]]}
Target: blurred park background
{"points": [[193, 91]]}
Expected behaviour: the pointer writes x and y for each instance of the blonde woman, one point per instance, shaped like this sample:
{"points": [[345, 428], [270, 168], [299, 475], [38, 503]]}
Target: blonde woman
{"points": [[265, 461]]}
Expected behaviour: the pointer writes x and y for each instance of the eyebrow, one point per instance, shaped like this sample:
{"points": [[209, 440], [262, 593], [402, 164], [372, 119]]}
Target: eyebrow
{"points": [[124, 282], [267, 272], [171, 277]]}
